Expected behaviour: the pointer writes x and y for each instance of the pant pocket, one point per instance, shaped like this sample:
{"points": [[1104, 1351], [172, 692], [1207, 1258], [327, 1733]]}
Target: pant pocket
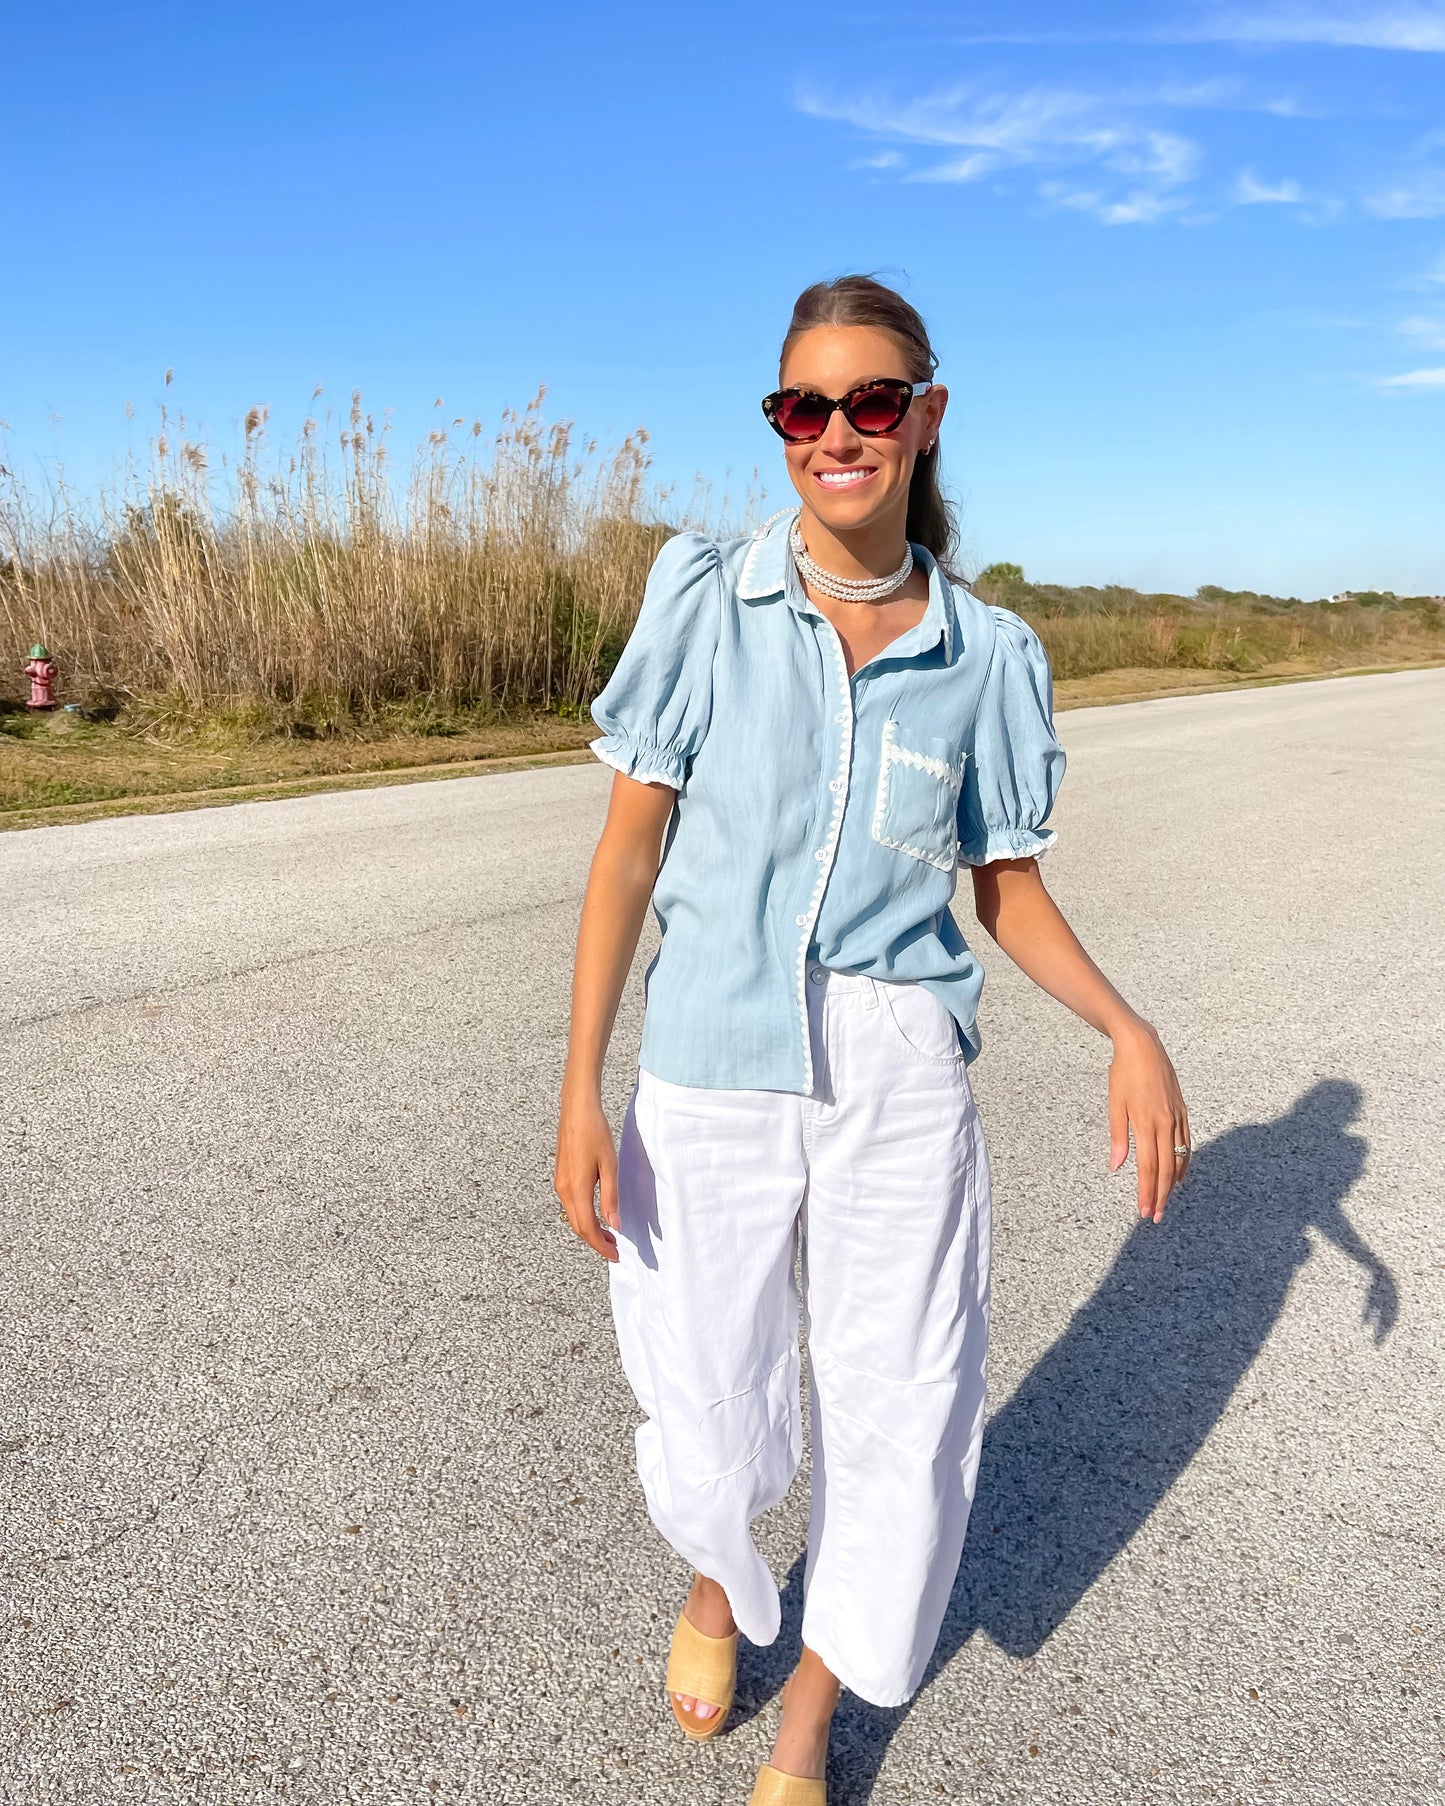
{"points": [[926, 1027]]}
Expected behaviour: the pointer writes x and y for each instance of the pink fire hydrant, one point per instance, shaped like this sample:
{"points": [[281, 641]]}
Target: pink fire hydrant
{"points": [[41, 671]]}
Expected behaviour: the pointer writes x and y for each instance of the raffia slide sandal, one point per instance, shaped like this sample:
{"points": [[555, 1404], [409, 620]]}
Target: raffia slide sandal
{"points": [[774, 1788], [705, 1668]]}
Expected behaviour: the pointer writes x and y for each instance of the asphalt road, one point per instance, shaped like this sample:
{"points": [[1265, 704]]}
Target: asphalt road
{"points": [[315, 1457]]}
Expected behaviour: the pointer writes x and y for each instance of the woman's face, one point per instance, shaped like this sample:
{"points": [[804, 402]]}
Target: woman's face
{"points": [[849, 479]]}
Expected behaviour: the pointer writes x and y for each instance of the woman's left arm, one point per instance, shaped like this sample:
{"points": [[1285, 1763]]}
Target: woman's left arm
{"points": [[1010, 900]]}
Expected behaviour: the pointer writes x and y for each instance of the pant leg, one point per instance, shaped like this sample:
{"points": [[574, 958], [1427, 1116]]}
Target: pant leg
{"points": [[896, 1265], [710, 1183]]}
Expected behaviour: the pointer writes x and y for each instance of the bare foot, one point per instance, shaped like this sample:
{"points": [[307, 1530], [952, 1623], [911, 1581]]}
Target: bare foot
{"points": [[707, 1610], [809, 1699]]}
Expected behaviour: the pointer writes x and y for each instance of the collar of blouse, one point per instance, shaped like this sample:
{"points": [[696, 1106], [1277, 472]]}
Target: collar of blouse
{"points": [[769, 574]]}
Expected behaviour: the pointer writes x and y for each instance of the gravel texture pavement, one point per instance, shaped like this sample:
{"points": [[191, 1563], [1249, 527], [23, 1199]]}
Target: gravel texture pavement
{"points": [[315, 1456]]}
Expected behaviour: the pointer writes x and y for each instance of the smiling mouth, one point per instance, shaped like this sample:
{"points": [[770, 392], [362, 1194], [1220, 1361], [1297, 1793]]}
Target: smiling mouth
{"points": [[845, 479]]}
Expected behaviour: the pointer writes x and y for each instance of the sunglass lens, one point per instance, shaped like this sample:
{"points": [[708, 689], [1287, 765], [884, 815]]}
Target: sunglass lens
{"points": [[801, 416], [879, 410]]}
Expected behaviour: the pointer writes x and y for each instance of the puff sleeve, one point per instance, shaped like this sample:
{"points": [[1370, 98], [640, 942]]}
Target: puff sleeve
{"points": [[655, 708], [1015, 764]]}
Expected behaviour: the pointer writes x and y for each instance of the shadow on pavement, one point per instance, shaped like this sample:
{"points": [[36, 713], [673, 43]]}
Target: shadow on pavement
{"points": [[1114, 1411]]}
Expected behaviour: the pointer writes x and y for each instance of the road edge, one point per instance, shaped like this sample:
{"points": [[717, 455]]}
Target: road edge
{"points": [[178, 802]]}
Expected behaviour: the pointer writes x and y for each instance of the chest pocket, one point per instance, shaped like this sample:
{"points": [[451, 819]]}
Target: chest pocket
{"points": [[917, 806]]}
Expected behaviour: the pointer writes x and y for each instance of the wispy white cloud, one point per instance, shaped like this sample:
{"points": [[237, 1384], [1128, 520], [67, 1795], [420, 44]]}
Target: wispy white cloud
{"points": [[1349, 24], [1118, 154], [1017, 127], [959, 169], [1249, 191], [1419, 196], [1217, 94], [1414, 379], [1427, 330], [1358, 26], [1163, 157], [1037, 127], [1139, 208]]}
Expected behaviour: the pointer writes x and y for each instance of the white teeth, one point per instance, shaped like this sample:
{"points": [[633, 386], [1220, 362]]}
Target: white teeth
{"points": [[837, 479]]}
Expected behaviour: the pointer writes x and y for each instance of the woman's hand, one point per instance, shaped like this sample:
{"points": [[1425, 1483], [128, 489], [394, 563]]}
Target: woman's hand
{"points": [[1144, 1096], [587, 1165]]}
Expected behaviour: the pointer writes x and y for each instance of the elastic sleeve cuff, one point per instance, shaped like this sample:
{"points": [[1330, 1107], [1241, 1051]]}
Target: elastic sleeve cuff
{"points": [[1010, 843], [641, 760]]}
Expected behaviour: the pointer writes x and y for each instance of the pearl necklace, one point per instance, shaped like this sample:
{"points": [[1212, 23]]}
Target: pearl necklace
{"points": [[848, 589]]}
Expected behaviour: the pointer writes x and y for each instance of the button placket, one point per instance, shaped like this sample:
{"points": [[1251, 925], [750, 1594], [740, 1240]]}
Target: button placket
{"points": [[823, 855]]}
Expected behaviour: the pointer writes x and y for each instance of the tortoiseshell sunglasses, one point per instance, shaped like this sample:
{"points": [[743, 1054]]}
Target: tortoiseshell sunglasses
{"points": [[799, 415]]}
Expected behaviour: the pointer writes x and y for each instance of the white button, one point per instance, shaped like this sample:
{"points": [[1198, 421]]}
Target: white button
{"points": [[836, 785], [802, 921], [840, 718], [822, 853]]}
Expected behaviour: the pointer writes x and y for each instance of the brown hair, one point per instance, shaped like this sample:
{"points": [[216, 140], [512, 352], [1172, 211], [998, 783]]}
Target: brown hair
{"points": [[863, 301]]}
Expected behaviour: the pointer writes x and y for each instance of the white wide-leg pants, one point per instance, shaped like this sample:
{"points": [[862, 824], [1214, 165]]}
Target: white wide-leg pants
{"points": [[884, 1175]]}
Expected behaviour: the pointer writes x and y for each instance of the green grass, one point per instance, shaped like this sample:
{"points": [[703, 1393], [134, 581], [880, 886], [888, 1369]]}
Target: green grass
{"points": [[51, 761], [1087, 631]]}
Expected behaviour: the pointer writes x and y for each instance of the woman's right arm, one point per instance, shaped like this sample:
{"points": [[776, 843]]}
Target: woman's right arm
{"points": [[619, 888]]}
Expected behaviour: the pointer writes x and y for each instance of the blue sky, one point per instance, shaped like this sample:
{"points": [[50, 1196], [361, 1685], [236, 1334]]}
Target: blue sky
{"points": [[1185, 264]]}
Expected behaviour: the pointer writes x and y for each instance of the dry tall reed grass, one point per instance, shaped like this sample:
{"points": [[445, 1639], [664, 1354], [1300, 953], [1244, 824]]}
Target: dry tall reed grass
{"points": [[504, 573]]}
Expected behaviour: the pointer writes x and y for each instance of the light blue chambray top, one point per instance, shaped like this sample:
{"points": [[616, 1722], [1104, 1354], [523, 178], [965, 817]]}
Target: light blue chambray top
{"points": [[818, 816]]}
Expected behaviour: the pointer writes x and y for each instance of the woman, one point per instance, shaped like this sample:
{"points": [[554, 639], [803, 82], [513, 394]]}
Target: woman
{"points": [[811, 728]]}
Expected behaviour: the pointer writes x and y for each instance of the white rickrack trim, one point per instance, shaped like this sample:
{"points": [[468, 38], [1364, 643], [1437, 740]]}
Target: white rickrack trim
{"points": [[952, 775], [643, 777], [825, 866], [941, 860], [905, 755], [762, 531], [759, 534]]}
